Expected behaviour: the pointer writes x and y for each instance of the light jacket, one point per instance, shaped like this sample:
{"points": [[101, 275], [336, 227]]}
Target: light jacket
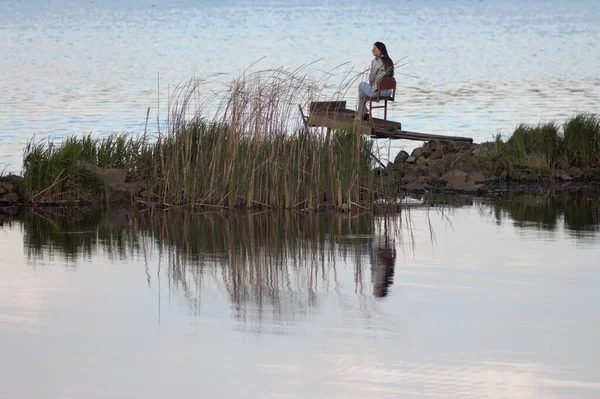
{"points": [[378, 71]]}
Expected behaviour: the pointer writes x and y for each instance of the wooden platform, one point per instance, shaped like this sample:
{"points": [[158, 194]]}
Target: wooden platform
{"points": [[335, 115]]}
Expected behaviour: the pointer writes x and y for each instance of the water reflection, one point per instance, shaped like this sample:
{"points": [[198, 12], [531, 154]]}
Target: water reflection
{"points": [[578, 213], [361, 305], [277, 261]]}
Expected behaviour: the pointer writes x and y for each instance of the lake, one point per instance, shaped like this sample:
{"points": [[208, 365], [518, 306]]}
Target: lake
{"points": [[496, 300], [467, 67], [467, 298]]}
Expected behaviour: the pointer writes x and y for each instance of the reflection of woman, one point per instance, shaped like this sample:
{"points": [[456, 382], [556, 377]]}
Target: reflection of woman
{"points": [[382, 270], [381, 66]]}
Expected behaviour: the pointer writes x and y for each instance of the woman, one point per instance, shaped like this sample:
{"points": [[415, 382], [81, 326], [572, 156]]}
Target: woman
{"points": [[381, 66]]}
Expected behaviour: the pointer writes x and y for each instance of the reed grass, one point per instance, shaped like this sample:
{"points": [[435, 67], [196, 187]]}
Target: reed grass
{"points": [[539, 151], [254, 151]]}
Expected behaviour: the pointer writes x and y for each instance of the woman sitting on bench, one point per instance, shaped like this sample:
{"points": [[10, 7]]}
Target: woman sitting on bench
{"points": [[381, 66]]}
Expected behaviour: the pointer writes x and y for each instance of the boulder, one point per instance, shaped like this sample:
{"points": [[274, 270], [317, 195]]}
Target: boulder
{"points": [[459, 146], [480, 150], [411, 159], [111, 176], [401, 157], [426, 150], [463, 181], [422, 161], [419, 184], [437, 154], [562, 175], [417, 152], [575, 173]]}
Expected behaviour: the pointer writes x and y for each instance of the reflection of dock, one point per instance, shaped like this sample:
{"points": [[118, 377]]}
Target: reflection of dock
{"points": [[335, 115]]}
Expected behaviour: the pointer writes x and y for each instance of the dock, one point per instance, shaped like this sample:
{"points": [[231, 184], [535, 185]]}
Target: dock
{"points": [[334, 115]]}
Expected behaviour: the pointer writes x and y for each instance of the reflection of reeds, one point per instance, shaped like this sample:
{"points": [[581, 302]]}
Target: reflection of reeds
{"points": [[270, 260], [580, 212], [276, 262]]}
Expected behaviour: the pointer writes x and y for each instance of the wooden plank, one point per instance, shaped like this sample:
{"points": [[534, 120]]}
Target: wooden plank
{"points": [[403, 134], [327, 114], [326, 106]]}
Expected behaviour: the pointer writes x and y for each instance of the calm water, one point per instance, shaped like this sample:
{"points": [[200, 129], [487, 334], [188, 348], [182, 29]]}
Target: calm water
{"points": [[495, 301], [481, 67]]}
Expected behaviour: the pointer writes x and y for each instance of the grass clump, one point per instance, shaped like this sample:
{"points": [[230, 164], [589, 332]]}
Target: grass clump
{"points": [[542, 150], [582, 140], [54, 173]]}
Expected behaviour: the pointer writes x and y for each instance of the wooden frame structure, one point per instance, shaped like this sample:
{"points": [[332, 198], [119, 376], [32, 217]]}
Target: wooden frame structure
{"points": [[335, 115]]}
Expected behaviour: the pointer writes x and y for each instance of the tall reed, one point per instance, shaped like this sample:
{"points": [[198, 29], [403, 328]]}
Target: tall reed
{"points": [[254, 151]]}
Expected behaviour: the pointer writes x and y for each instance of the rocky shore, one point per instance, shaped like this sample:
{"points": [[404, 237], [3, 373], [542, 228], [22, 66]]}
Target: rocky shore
{"points": [[460, 167]]}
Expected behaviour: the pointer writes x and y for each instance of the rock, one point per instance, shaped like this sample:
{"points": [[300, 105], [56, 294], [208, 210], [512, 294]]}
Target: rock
{"points": [[419, 184], [401, 157], [433, 171], [575, 172], [9, 198], [421, 170], [437, 154], [3, 190], [426, 150], [417, 152], [411, 159], [422, 161], [562, 175], [480, 150], [477, 177], [110, 176], [6, 188], [463, 181], [458, 146]]}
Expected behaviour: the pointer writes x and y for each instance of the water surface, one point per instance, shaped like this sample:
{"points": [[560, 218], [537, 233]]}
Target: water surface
{"points": [[472, 68], [485, 300]]}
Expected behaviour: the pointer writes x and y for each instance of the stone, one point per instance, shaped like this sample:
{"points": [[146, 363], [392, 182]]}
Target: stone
{"points": [[458, 146], [437, 154], [417, 152], [477, 177], [419, 184], [422, 161], [435, 145], [480, 150], [562, 175], [411, 159], [463, 181], [426, 150], [110, 176], [10, 197], [6, 188], [401, 157], [575, 172]]}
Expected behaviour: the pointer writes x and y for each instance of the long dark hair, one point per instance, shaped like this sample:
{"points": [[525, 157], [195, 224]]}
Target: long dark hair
{"points": [[387, 61]]}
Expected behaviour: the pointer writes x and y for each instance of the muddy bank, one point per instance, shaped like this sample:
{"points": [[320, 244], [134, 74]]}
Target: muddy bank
{"points": [[464, 168]]}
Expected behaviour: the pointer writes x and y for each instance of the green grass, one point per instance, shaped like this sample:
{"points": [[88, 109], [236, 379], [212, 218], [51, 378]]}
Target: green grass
{"points": [[582, 140], [539, 151]]}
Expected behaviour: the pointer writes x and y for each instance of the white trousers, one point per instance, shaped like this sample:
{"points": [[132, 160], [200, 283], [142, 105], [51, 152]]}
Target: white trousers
{"points": [[365, 92]]}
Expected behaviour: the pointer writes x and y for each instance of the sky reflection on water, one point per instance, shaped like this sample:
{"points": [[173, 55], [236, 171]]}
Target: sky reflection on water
{"points": [[482, 300], [73, 67]]}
